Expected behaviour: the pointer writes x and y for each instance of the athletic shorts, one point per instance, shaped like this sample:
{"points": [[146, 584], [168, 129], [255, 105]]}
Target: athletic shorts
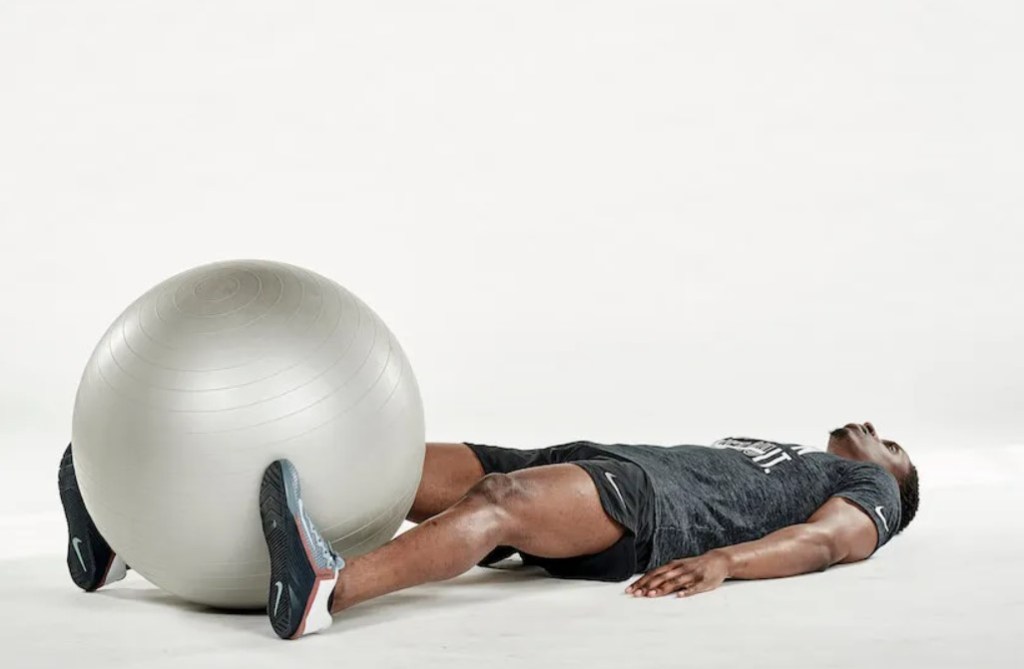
{"points": [[625, 493]]}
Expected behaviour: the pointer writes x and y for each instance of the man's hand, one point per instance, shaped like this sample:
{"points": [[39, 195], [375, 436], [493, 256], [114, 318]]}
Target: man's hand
{"points": [[685, 577]]}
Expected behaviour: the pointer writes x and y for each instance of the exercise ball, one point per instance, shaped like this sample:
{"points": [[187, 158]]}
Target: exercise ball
{"points": [[212, 375]]}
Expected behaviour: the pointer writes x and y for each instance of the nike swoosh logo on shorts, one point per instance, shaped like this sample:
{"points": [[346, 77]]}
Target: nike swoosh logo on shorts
{"points": [[78, 551], [878, 510], [611, 479]]}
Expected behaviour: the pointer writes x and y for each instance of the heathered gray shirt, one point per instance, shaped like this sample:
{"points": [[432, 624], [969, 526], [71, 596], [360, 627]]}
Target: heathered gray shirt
{"points": [[740, 489]]}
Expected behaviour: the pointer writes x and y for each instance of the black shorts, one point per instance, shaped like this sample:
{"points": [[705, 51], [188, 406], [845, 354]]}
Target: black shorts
{"points": [[625, 493]]}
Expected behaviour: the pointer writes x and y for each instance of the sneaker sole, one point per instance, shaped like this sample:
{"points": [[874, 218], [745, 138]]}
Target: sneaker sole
{"points": [[91, 566], [291, 561]]}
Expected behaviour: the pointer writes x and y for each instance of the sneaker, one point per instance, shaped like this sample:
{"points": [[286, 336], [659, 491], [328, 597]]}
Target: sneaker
{"points": [[91, 561], [303, 566]]}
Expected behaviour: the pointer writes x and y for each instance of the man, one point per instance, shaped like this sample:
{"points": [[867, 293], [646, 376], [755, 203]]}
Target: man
{"points": [[688, 516]]}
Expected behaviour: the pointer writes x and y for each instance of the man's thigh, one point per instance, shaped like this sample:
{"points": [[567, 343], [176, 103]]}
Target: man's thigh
{"points": [[449, 471], [555, 511]]}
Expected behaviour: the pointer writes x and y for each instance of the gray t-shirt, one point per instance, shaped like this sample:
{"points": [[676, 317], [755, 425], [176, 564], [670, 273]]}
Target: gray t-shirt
{"points": [[740, 489]]}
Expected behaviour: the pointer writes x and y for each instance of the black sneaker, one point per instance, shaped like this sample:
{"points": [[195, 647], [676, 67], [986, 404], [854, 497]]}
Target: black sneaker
{"points": [[303, 566], [91, 561]]}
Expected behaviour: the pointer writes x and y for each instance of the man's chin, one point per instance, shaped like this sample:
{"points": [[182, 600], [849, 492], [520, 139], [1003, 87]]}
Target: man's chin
{"points": [[842, 449], [835, 446]]}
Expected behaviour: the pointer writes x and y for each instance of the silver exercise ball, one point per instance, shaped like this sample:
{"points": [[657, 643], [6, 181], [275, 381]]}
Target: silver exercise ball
{"points": [[208, 378]]}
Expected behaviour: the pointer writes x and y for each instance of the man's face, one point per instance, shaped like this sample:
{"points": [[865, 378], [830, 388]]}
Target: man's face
{"points": [[857, 441]]}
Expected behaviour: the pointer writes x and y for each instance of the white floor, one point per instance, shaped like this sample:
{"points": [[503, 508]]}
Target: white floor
{"points": [[947, 593]]}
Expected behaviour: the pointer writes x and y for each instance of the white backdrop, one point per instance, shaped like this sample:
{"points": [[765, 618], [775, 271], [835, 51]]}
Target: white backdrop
{"points": [[643, 221], [661, 222]]}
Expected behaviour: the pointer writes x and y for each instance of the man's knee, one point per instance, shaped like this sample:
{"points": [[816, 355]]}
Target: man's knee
{"points": [[496, 489], [497, 499]]}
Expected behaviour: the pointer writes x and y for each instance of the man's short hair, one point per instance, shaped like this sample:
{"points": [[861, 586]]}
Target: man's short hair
{"points": [[909, 497]]}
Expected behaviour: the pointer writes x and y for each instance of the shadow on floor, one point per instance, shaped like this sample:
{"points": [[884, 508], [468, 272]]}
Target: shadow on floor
{"points": [[503, 582]]}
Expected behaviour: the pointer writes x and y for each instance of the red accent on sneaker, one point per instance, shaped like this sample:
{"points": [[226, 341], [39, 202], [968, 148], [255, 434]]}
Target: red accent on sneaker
{"points": [[322, 575], [106, 572]]}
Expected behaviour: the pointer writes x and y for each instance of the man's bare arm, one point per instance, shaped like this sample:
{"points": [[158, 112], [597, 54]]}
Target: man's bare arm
{"points": [[837, 532]]}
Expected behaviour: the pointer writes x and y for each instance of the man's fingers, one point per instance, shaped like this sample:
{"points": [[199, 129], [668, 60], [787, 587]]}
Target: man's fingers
{"points": [[641, 582], [643, 587], [669, 583], [654, 584], [668, 586], [637, 585], [660, 580], [681, 577], [684, 577], [644, 582]]}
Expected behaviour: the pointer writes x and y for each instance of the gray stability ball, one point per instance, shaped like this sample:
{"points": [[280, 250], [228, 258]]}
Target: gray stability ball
{"points": [[208, 378]]}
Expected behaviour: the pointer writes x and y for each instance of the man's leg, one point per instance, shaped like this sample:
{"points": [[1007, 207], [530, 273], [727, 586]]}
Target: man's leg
{"points": [[449, 471], [548, 511]]}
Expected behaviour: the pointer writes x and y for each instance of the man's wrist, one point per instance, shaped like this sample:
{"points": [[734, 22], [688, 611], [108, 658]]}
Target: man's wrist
{"points": [[726, 556]]}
